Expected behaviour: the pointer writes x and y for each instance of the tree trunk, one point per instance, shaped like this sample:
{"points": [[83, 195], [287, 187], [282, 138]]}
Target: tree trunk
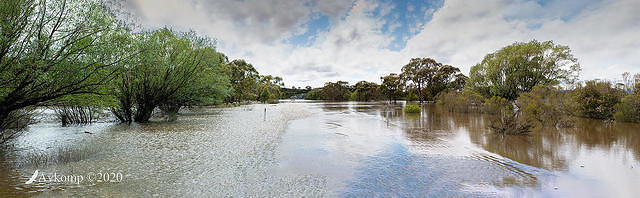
{"points": [[144, 112], [420, 93]]}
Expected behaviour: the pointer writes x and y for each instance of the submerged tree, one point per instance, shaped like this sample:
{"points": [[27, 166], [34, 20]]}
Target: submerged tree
{"points": [[628, 110], [208, 86], [391, 86], [336, 91], [519, 67], [430, 77], [51, 49], [547, 106], [366, 91], [596, 100], [418, 72], [170, 71]]}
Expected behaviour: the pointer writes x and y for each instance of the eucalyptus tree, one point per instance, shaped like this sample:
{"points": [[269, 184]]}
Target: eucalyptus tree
{"points": [[51, 49], [366, 91], [517, 68], [430, 77], [459, 82], [335, 91], [418, 72], [244, 78], [269, 88], [445, 77], [391, 86]]}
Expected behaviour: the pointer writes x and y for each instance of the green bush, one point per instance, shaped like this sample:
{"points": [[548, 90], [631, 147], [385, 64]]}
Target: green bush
{"points": [[629, 109], [315, 94], [353, 96], [464, 102], [546, 105], [273, 101], [412, 108], [412, 96], [497, 105], [596, 100]]}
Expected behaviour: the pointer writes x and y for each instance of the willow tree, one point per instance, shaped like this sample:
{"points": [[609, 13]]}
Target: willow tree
{"points": [[517, 68], [208, 86], [170, 71], [51, 49]]}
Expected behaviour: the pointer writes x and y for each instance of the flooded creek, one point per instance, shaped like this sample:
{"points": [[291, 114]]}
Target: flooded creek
{"points": [[324, 149]]}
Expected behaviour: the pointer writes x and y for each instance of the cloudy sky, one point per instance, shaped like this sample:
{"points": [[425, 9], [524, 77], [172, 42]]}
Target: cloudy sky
{"points": [[309, 42]]}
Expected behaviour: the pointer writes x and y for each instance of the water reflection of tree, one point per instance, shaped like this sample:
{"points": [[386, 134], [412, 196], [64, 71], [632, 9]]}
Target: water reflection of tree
{"points": [[545, 148], [603, 135]]}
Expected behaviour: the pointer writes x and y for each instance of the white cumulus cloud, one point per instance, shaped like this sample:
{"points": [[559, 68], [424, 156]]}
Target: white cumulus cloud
{"points": [[602, 34]]}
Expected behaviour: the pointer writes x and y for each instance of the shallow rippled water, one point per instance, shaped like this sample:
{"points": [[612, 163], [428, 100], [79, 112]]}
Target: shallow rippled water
{"points": [[326, 149]]}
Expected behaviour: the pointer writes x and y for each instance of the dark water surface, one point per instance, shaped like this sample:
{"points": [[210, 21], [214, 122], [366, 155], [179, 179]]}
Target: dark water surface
{"points": [[325, 149]]}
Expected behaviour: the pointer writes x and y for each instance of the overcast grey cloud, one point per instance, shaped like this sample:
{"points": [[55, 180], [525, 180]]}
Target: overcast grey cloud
{"points": [[354, 44]]}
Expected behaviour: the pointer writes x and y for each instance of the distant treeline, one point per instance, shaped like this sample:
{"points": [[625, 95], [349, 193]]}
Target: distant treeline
{"points": [[534, 83]]}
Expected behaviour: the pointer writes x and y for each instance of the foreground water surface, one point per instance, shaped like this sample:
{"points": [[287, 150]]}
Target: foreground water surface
{"points": [[321, 149]]}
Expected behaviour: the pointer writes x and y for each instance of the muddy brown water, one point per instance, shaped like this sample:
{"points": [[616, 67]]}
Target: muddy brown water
{"points": [[323, 149]]}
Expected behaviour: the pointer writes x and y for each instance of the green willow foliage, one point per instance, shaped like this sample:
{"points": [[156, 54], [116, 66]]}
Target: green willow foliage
{"points": [[497, 105], [169, 71], [74, 57], [314, 94], [517, 68], [51, 49]]}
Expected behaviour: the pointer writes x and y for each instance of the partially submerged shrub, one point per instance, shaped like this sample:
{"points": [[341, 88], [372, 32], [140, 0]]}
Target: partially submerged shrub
{"points": [[14, 124], [315, 94], [596, 100], [547, 106], [412, 108], [75, 114], [81, 108], [629, 109], [60, 155], [171, 111], [511, 124], [498, 105], [465, 101], [412, 96], [273, 101]]}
